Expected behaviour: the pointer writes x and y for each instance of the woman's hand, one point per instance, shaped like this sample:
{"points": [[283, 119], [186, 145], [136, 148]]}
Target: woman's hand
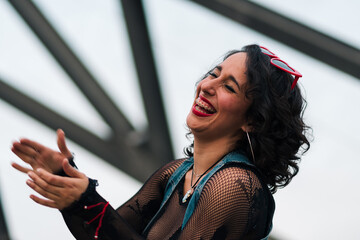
{"points": [[39, 156], [60, 192]]}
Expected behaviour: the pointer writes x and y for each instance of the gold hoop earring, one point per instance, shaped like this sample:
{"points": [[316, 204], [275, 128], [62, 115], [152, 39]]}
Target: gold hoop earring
{"points": [[252, 152]]}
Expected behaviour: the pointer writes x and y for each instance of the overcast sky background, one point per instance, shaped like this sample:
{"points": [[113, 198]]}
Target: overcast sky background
{"points": [[320, 203]]}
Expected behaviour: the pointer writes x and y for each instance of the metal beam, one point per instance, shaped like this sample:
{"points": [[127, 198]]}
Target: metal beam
{"points": [[72, 66], [137, 160], [320, 46], [159, 136], [159, 143], [131, 159]]}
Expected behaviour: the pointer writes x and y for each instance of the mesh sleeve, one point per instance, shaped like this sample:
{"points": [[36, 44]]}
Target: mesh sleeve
{"points": [[91, 217]]}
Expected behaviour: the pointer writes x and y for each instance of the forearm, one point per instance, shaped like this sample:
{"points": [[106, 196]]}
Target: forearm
{"points": [[92, 216], [128, 221]]}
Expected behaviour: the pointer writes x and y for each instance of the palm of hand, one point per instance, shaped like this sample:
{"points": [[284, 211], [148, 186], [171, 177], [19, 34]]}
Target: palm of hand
{"points": [[49, 160], [59, 192], [39, 156]]}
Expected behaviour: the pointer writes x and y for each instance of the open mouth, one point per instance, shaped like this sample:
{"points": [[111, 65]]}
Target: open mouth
{"points": [[203, 107]]}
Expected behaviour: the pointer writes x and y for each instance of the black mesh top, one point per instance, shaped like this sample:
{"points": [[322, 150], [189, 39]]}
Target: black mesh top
{"points": [[234, 204]]}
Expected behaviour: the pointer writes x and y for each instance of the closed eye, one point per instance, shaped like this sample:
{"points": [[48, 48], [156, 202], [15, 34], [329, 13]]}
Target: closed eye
{"points": [[231, 89], [212, 74]]}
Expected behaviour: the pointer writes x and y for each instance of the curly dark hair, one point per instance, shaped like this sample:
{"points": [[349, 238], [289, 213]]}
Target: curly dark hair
{"points": [[279, 135]]}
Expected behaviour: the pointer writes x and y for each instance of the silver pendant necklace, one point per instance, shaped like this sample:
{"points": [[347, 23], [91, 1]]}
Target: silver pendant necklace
{"points": [[191, 190]]}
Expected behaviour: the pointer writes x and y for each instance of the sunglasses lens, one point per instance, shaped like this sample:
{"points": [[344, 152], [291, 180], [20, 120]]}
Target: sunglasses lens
{"points": [[282, 65], [267, 52]]}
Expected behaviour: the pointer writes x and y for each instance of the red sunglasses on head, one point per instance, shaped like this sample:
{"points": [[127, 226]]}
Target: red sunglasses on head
{"points": [[277, 62]]}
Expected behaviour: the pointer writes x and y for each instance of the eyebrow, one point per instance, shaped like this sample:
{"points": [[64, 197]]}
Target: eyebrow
{"points": [[231, 77]]}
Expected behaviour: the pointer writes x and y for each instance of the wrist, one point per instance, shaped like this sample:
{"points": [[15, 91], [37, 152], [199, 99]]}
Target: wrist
{"points": [[87, 197]]}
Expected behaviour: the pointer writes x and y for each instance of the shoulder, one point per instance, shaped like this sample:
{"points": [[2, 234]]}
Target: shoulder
{"points": [[240, 172], [237, 180], [163, 174], [170, 167]]}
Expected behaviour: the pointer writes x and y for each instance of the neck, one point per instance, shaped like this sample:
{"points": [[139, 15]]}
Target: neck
{"points": [[206, 153]]}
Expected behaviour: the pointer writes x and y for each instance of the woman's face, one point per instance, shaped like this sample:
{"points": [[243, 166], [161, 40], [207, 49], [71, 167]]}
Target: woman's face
{"points": [[220, 103]]}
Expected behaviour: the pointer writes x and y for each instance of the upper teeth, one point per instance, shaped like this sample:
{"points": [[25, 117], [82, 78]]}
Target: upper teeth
{"points": [[205, 105]]}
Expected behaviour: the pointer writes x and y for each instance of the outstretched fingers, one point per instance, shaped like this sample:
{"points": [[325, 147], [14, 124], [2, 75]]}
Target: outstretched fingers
{"points": [[51, 179], [44, 187], [32, 144], [61, 191], [24, 152], [20, 168], [36, 186], [44, 202]]}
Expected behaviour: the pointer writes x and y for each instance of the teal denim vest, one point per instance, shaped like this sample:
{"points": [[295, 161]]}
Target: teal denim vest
{"points": [[232, 157]]}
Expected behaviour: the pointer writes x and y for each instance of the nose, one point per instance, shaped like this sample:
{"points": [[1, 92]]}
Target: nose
{"points": [[208, 86]]}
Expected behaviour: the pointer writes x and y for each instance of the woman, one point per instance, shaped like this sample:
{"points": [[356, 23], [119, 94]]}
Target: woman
{"points": [[247, 125]]}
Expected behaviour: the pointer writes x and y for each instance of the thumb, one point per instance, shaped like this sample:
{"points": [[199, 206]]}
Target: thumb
{"points": [[62, 144], [70, 170]]}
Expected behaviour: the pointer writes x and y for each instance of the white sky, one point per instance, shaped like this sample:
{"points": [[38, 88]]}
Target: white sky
{"points": [[320, 203]]}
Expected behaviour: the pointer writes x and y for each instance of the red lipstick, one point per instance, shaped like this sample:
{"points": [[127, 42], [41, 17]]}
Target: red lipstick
{"points": [[203, 111]]}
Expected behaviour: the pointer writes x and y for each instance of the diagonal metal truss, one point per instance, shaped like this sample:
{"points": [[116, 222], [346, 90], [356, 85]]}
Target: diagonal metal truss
{"points": [[158, 133], [320, 46], [138, 160]]}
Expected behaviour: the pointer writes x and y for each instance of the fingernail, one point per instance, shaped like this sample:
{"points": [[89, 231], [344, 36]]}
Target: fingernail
{"points": [[31, 174], [39, 170], [28, 182]]}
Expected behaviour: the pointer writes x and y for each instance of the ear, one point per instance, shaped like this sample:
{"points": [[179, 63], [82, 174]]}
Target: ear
{"points": [[247, 127]]}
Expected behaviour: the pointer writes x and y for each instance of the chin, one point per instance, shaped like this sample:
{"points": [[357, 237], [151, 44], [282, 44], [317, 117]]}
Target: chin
{"points": [[190, 123], [193, 124]]}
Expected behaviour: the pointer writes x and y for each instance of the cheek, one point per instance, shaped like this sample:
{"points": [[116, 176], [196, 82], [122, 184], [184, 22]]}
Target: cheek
{"points": [[236, 109]]}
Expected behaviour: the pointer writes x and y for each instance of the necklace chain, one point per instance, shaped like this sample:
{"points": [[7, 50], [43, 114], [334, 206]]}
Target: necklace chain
{"points": [[190, 191], [193, 172], [200, 176]]}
